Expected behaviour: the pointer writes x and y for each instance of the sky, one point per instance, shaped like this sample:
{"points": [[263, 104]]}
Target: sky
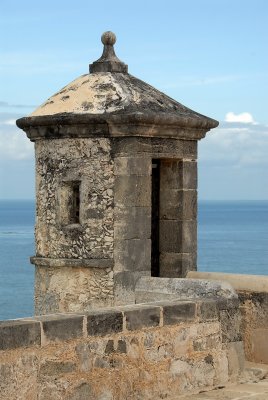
{"points": [[210, 55]]}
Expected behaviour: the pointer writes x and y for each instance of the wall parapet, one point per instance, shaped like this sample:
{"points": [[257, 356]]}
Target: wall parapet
{"points": [[252, 291], [151, 350], [41, 330]]}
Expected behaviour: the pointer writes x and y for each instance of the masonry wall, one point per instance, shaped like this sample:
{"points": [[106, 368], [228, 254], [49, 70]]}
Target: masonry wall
{"points": [[254, 327], [136, 352], [252, 293], [74, 260], [133, 201]]}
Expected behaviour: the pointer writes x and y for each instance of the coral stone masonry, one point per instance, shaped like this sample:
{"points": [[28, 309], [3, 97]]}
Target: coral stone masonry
{"points": [[116, 187]]}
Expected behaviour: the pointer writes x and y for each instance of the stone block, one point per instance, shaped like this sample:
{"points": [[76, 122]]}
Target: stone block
{"points": [[230, 325], [164, 148], [207, 310], [82, 392], [132, 255], [132, 223], [178, 236], [190, 149], [176, 265], [189, 175], [259, 346], [62, 327], [179, 312], [133, 166], [132, 190], [145, 317], [56, 368], [178, 204], [155, 147], [131, 145], [211, 342], [104, 323], [19, 333], [236, 358], [227, 304], [124, 287]]}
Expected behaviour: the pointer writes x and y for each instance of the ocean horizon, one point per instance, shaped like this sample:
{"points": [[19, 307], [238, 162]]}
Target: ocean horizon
{"points": [[232, 238]]}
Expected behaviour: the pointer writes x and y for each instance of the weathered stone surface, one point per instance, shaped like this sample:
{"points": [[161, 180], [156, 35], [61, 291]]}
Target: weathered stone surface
{"points": [[145, 359], [138, 318], [72, 289], [140, 166], [124, 287], [104, 323], [230, 323], [182, 289], [55, 368], [178, 236], [82, 392], [132, 190], [180, 312], [58, 164], [132, 255], [19, 333], [247, 285], [259, 345], [177, 204], [176, 265], [153, 147], [208, 310], [236, 359], [181, 174], [62, 327], [72, 262], [132, 223]]}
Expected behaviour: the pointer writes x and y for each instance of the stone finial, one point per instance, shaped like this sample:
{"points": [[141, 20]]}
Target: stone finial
{"points": [[108, 38], [108, 62]]}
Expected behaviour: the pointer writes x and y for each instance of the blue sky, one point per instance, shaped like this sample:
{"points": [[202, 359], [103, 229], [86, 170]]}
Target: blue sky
{"points": [[210, 55]]}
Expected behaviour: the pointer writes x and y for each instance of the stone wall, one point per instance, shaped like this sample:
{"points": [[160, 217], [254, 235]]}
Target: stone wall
{"points": [[133, 210], [74, 261], [252, 293], [133, 352], [254, 328]]}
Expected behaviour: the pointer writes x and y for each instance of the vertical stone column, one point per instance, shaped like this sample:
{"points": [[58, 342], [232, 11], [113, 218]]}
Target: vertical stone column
{"points": [[132, 224], [178, 212]]}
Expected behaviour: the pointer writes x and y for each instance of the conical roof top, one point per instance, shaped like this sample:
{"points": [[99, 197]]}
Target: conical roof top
{"points": [[109, 94]]}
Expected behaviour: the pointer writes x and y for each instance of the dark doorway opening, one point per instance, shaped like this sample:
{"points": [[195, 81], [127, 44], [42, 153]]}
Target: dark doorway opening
{"points": [[155, 218]]}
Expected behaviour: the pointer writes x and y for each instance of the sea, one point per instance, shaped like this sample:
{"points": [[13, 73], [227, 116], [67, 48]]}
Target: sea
{"points": [[232, 237]]}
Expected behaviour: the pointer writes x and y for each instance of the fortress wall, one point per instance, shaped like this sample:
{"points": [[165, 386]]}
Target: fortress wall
{"points": [[252, 292], [145, 351], [254, 327]]}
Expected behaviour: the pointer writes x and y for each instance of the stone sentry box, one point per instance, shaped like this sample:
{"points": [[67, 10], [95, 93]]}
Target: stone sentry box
{"points": [[116, 187]]}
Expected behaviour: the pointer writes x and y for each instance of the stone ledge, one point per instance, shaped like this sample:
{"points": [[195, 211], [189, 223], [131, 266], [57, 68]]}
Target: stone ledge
{"points": [[179, 312], [104, 322], [142, 317], [72, 262], [240, 282], [19, 333], [107, 321]]}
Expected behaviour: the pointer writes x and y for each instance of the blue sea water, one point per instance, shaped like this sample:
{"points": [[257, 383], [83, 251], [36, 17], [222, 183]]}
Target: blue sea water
{"points": [[232, 237]]}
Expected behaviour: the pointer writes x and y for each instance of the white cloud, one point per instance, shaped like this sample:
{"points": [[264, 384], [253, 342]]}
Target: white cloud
{"points": [[236, 145], [245, 118], [14, 145], [10, 122]]}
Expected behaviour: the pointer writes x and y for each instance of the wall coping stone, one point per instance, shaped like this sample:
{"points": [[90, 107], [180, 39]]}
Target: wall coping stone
{"points": [[44, 329], [240, 282]]}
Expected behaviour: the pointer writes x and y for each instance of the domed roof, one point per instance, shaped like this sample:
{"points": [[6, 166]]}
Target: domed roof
{"points": [[109, 93]]}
